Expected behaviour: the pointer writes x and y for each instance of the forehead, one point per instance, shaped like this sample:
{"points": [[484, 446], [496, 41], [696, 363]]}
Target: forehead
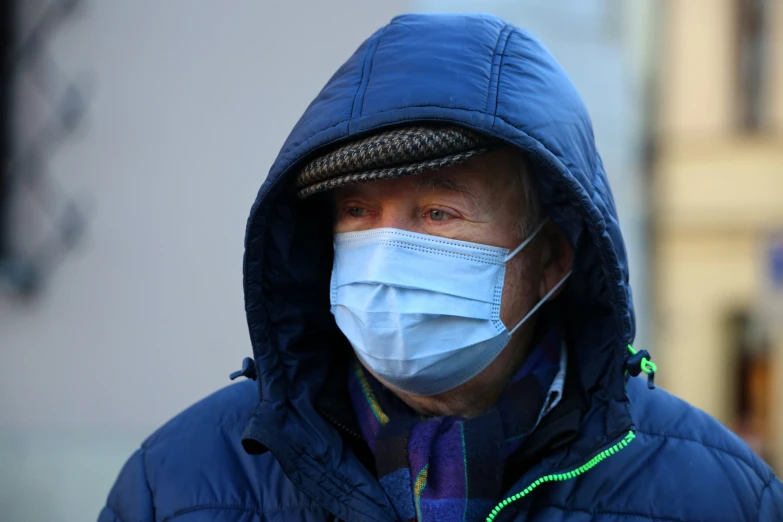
{"points": [[480, 178]]}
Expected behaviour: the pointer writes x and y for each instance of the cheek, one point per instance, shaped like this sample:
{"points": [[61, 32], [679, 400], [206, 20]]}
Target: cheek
{"points": [[519, 291]]}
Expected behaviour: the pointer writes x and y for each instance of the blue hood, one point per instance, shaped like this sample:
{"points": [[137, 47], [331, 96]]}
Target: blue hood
{"points": [[472, 70]]}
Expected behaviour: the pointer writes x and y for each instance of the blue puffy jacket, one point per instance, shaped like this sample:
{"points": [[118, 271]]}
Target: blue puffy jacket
{"points": [[285, 447]]}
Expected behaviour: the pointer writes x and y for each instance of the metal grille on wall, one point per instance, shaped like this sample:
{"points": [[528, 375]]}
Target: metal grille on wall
{"points": [[27, 162]]}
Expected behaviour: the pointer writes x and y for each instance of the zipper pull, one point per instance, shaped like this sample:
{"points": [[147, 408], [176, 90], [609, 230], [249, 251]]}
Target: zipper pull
{"points": [[638, 362], [248, 370]]}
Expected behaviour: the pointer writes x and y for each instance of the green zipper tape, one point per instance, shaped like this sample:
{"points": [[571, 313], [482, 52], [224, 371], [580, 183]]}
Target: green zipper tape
{"points": [[560, 477]]}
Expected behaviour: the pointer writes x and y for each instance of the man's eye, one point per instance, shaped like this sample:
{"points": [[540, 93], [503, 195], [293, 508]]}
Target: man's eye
{"points": [[438, 215], [356, 211]]}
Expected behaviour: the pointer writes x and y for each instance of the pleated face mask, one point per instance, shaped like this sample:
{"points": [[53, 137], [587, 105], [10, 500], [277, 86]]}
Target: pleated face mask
{"points": [[422, 312]]}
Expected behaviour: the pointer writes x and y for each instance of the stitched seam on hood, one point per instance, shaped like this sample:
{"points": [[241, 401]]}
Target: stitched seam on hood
{"points": [[366, 82], [357, 106], [509, 31], [494, 77]]}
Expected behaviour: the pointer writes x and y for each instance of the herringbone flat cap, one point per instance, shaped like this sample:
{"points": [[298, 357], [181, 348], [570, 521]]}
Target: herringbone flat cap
{"points": [[391, 154]]}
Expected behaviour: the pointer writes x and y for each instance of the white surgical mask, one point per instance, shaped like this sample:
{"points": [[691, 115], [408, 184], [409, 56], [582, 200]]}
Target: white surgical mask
{"points": [[422, 312]]}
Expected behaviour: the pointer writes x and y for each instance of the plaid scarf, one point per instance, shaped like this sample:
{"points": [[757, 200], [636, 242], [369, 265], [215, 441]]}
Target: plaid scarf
{"points": [[451, 468]]}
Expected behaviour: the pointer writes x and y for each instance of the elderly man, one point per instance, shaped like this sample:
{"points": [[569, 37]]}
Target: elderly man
{"points": [[438, 301]]}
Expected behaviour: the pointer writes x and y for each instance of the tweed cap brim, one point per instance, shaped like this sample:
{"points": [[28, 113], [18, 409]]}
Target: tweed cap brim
{"points": [[391, 154]]}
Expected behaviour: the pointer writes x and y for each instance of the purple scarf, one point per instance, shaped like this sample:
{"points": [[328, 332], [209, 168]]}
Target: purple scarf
{"points": [[451, 468]]}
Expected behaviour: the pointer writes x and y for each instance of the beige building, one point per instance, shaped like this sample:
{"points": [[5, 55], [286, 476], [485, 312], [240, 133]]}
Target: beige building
{"points": [[717, 202]]}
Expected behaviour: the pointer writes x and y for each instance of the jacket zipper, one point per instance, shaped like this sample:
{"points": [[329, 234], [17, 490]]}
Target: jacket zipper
{"points": [[340, 425], [561, 477]]}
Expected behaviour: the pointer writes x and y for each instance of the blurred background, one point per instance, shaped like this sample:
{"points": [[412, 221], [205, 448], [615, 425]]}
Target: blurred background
{"points": [[135, 135]]}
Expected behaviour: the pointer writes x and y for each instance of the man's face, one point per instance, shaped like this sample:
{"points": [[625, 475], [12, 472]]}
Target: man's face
{"points": [[481, 201]]}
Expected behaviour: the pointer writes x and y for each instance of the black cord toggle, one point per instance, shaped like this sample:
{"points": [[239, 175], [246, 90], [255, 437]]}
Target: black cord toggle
{"points": [[248, 370]]}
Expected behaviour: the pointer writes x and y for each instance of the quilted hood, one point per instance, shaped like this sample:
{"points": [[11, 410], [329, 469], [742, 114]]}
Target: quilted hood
{"points": [[472, 70]]}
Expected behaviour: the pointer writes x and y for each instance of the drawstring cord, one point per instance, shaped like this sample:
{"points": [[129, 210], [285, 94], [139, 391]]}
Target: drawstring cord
{"points": [[248, 370], [638, 362]]}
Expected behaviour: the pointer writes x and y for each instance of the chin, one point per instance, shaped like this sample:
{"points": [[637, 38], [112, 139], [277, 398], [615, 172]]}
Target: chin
{"points": [[466, 400]]}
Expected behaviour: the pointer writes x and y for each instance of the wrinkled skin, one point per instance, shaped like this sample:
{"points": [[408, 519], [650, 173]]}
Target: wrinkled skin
{"points": [[482, 201]]}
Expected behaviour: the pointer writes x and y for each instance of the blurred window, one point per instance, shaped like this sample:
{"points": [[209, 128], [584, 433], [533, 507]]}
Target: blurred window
{"points": [[752, 47], [752, 368]]}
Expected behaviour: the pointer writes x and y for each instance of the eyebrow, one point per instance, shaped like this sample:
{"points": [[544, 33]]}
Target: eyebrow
{"points": [[432, 183], [345, 191], [445, 183]]}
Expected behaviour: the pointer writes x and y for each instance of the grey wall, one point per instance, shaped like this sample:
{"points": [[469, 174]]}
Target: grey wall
{"points": [[191, 103]]}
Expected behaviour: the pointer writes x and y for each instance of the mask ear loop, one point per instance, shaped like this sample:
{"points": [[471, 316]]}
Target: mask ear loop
{"points": [[540, 303], [530, 238]]}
